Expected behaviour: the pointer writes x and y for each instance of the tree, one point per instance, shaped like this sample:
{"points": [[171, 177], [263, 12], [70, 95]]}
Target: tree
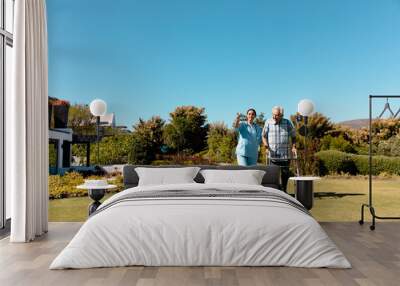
{"points": [[187, 130], [152, 131], [260, 119], [147, 139], [141, 151], [113, 149], [317, 127], [81, 120], [383, 129], [221, 143]]}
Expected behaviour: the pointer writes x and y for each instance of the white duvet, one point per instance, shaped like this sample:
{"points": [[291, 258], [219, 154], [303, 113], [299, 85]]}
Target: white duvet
{"points": [[200, 231]]}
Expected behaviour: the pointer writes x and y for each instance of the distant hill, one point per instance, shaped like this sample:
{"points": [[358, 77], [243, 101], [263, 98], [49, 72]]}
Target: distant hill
{"points": [[355, 123]]}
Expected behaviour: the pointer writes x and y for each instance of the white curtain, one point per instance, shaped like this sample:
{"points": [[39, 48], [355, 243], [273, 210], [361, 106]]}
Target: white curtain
{"points": [[27, 145]]}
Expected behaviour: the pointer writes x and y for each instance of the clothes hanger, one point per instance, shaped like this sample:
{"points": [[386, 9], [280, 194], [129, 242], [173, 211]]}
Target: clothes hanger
{"points": [[387, 107], [397, 113]]}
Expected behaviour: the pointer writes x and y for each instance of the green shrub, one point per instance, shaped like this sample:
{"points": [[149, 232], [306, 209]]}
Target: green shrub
{"points": [[390, 147], [221, 143], [113, 149], [65, 186], [141, 151], [52, 155], [337, 143], [336, 162], [162, 162], [332, 161]]}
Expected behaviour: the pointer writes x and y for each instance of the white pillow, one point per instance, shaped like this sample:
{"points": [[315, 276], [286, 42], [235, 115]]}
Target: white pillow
{"points": [[248, 177], [166, 176]]}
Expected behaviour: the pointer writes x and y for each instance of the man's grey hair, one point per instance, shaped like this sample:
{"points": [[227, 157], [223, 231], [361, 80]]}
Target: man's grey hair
{"points": [[279, 108]]}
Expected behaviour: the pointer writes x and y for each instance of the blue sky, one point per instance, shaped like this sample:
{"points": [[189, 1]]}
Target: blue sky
{"points": [[147, 57]]}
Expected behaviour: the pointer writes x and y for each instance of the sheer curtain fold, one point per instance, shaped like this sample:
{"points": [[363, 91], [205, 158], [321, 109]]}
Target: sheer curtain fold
{"points": [[28, 159]]}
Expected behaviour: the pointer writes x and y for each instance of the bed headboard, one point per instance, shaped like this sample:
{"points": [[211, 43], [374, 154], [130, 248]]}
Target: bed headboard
{"points": [[271, 178]]}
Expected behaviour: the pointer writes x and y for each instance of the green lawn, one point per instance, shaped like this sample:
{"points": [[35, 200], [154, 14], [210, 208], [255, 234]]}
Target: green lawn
{"points": [[337, 199], [71, 209]]}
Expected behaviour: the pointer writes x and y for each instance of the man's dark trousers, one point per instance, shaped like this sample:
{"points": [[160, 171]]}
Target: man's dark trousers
{"points": [[285, 173]]}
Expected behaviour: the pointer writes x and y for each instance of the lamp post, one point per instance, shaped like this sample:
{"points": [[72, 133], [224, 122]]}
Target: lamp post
{"points": [[98, 107], [305, 108]]}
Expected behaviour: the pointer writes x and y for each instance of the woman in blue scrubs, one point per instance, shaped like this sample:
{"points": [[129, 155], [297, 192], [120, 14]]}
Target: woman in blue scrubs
{"points": [[249, 139]]}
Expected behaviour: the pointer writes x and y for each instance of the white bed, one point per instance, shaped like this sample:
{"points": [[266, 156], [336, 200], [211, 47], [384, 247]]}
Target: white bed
{"points": [[202, 231]]}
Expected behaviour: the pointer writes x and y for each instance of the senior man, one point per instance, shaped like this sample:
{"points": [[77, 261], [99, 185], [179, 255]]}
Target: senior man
{"points": [[279, 138]]}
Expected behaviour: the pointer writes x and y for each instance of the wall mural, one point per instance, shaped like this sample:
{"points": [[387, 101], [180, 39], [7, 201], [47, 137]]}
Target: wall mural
{"points": [[217, 82]]}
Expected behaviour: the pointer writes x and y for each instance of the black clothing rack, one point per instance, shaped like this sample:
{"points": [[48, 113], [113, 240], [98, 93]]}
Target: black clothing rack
{"points": [[370, 202]]}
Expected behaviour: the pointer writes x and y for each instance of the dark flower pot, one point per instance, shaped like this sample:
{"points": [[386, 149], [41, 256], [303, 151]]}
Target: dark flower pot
{"points": [[60, 116]]}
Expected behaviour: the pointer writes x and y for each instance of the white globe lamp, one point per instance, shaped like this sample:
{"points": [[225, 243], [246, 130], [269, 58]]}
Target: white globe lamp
{"points": [[305, 107], [98, 107]]}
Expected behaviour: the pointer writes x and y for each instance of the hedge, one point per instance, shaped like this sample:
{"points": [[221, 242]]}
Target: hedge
{"points": [[65, 186], [336, 162]]}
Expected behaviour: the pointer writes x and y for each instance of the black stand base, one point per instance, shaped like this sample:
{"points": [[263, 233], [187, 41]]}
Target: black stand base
{"points": [[93, 207], [374, 216], [96, 195], [305, 193]]}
